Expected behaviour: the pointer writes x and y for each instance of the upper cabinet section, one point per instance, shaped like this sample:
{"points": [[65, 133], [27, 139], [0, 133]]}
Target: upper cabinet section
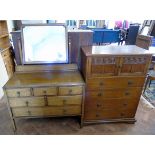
{"points": [[112, 61]]}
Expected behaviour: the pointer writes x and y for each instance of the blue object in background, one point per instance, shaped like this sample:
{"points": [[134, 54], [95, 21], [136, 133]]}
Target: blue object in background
{"points": [[153, 42], [106, 36]]}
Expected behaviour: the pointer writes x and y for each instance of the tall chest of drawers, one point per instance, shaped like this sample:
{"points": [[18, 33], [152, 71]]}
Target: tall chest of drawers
{"points": [[114, 78], [45, 91]]}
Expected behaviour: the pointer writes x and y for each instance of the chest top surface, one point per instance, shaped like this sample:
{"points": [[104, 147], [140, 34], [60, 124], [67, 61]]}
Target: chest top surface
{"points": [[115, 50], [37, 77]]}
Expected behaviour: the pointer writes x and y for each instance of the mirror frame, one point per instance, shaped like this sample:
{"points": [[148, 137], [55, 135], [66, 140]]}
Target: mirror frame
{"points": [[44, 62]]}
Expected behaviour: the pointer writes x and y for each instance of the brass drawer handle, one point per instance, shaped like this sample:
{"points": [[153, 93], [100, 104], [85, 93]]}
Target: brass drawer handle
{"points": [[130, 82], [27, 103], [44, 91], [97, 115], [64, 110], [127, 93], [101, 83], [18, 93], [29, 112], [70, 91], [99, 94], [125, 104], [64, 101], [98, 105], [122, 114]]}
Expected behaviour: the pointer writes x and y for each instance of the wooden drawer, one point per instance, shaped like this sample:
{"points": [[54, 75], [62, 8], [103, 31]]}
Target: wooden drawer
{"points": [[6, 53], [121, 82], [109, 114], [115, 93], [27, 101], [47, 111], [113, 103], [70, 90], [65, 100], [45, 91], [19, 92]]}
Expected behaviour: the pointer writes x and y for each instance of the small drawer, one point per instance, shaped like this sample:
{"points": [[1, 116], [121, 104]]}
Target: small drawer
{"points": [[27, 101], [19, 92], [65, 100], [45, 91], [70, 90]]}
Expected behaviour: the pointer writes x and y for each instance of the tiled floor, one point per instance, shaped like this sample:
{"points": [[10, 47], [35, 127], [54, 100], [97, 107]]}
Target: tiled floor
{"points": [[69, 126]]}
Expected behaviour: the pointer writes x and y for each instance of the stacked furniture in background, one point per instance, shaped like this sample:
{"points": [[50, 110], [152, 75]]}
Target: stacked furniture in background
{"points": [[131, 35], [5, 48], [114, 77]]}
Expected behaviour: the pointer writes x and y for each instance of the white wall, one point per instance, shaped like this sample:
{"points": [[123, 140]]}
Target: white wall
{"points": [[3, 76]]}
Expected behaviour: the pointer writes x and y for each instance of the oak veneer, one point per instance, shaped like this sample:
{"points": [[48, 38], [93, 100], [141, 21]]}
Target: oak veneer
{"points": [[114, 78], [50, 92]]}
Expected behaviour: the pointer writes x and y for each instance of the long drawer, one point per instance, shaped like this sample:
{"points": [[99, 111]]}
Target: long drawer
{"points": [[113, 103], [27, 101], [115, 93], [121, 82], [65, 100], [18, 92], [109, 114], [47, 111]]}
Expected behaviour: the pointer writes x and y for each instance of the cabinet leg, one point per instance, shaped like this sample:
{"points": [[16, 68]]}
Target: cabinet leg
{"points": [[14, 125]]}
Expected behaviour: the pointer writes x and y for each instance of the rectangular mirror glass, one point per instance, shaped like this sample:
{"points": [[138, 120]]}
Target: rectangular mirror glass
{"points": [[44, 43]]}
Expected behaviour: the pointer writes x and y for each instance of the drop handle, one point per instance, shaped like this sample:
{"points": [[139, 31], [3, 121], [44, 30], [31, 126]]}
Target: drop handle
{"points": [[18, 93], [99, 94], [64, 110], [98, 105], [127, 93], [101, 83], [44, 92], [122, 114], [29, 112], [130, 82], [64, 101], [97, 115], [125, 104], [27, 103], [70, 91]]}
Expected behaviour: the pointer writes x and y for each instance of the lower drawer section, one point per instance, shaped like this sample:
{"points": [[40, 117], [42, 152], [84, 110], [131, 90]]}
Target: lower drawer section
{"points": [[109, 114], [47, 111]]}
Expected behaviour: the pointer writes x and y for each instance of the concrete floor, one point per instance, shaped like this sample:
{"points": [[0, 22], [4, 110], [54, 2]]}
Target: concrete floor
{"points": [[145, 124]]}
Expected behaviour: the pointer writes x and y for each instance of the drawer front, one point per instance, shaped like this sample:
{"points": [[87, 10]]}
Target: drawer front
{"points": [[19, 92], [121, 82], [70, 90], [65, 100], [46, 111], [45, 91], [24, 102], [113, 104], [115, 93], [109, 114]]}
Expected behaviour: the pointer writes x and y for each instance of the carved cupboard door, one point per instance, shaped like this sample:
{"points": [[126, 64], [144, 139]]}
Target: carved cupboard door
{"points": [[134, 65], [104, 66]]}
